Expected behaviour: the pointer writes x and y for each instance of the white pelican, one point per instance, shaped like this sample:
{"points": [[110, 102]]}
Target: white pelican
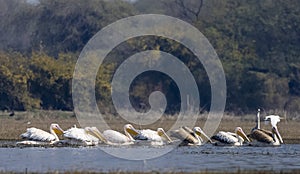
{"points": [[267, 138], [112, 137], [190, 137], [230, 139], [158, 137], [36, 136], [79, 136]]}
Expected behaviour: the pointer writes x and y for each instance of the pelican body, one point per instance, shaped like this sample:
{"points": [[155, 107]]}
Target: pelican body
{"points": [[35, 136], [158, 137], [190, 137], [79, 136], [112, 137], [230, 139]]}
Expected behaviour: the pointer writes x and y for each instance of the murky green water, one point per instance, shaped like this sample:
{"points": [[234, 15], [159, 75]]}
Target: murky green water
{"points": [[189, 159]]}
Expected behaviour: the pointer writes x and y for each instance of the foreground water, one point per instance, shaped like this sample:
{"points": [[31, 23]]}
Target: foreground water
{"points": [[186, 159]]}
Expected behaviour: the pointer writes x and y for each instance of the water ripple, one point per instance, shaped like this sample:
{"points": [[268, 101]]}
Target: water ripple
{"points": [[187, 159]]}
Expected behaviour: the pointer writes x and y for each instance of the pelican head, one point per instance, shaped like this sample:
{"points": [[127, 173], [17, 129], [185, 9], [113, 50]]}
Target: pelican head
{"points": [[161, 132], [239, 131], [96, 133], [129, 129], [200, 132], [56, 129]]}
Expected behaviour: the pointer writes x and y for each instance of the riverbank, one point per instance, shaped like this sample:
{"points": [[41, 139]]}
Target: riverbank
{"points": [[12, 127]]}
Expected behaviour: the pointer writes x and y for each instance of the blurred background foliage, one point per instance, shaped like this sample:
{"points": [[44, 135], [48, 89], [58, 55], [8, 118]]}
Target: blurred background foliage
{"points": [[257, 42]]}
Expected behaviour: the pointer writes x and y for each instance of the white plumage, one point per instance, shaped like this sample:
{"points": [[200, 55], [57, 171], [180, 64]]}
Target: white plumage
{"points": [[37, 136], [226, 137], [112, 137], [231, 139], [79, 136], [148, 134], [156, 138], [273, 120], [116, 137]]}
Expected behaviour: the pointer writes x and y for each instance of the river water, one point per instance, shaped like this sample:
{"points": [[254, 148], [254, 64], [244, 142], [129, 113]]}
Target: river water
{"points": [[186, 159]]}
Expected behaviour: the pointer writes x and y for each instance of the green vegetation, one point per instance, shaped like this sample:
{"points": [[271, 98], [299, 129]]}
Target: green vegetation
{"points": [[257, 42]]}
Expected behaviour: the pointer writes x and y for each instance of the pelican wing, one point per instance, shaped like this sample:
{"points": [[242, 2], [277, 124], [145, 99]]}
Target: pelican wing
{"points": [[147, 134], [232, 134], [188, 130], [269, 133], [115, 137], [79, 134], [262, 136], [225, 137], [185, 135], [37, 135]]}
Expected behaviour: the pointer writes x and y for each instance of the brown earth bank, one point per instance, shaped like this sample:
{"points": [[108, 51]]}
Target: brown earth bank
{"points": [[12, 126]]}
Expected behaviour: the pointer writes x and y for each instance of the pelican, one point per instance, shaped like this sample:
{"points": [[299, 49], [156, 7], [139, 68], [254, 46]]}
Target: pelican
{"points": [[190, 137], [267, 138], [112, 137], [37, 136], [79, 136], [231, 139], [257, 126], [158, 137]]}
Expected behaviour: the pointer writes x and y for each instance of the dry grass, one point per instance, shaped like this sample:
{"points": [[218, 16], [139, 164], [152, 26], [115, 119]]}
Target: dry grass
{"points": [[12, 127]]}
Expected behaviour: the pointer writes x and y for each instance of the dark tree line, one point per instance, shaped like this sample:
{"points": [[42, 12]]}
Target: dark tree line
{"points": [[257, 42]]}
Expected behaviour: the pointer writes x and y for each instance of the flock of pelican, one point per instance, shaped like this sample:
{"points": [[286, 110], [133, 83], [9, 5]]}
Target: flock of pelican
{"points": [[89, 136]]}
